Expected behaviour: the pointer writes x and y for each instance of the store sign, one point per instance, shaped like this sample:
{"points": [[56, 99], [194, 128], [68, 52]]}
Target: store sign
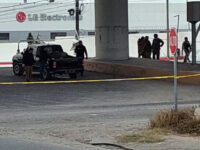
{"points": [[21, 17]]}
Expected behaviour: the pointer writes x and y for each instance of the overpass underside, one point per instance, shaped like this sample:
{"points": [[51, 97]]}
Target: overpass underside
{"points": [[111, 25]]}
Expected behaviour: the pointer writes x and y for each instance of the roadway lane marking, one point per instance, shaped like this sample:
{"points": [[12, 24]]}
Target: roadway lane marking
{"points": [[100, 80]]}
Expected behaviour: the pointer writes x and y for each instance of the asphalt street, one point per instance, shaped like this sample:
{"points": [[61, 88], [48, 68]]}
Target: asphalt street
{"points": [[15, 144], [65, 112], [113, 93]]}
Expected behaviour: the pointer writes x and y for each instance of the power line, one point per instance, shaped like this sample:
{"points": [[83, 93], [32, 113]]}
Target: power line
{"points": [[13, 20], [21, 4], [11, 10], [34, 7], [26, 7], [38, 10]]}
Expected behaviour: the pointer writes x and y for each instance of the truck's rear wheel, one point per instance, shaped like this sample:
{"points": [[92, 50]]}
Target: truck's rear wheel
{"points": [[18, 69], [73, 75], [45, 74]]}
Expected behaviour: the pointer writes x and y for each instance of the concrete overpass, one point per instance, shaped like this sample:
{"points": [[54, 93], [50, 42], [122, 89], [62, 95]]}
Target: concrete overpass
{"points": [[111, 27]]}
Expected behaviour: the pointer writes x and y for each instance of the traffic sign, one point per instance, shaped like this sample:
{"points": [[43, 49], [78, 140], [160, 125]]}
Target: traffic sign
{"points": [[173, 40]]}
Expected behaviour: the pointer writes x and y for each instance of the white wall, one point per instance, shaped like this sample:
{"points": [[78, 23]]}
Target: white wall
{"points": [[7, 50]]}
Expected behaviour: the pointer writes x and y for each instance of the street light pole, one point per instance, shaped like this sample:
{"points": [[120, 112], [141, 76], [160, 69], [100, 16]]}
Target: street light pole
{"points": [[167, 13], [77, 18], [178, 22]]}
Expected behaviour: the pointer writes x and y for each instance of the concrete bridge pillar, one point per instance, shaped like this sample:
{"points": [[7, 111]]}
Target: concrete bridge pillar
{"points": [[111, 25]]}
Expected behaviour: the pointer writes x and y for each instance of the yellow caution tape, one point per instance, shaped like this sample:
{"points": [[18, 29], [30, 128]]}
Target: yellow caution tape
{"points": [[188, 76], [100, 80]]}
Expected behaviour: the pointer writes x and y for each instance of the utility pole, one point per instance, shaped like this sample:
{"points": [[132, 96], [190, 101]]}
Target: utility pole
{"points": [[178, 22], [77, 18], [167, 13], [194, 36]]}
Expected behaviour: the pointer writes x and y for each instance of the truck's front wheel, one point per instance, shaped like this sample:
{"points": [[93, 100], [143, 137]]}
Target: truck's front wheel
{"points": [[18, 69]]}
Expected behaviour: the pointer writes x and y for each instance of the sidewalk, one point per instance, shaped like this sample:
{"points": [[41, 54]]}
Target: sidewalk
{"points": [[138, 67]]}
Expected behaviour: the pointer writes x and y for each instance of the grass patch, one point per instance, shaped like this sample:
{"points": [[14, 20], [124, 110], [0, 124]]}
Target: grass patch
{"points": [[182, 121], [146, 136]]}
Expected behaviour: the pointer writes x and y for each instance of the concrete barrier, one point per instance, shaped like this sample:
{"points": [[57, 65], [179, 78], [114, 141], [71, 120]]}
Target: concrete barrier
{"points": [[138, 71]]}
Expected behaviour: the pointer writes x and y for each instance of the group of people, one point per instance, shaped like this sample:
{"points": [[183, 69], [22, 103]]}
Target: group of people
{"points": [[145, 48], [28, 58], [28, 61]]}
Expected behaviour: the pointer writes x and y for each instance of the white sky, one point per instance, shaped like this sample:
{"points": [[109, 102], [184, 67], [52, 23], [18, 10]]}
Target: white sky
{"points": [[144, 1]]}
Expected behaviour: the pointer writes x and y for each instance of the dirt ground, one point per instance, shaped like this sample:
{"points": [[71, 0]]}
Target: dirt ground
{"points": [[64, 114], [58, 126]]}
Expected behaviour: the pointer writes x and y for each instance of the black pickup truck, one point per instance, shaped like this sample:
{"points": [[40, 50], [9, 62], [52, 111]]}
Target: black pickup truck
{"points": [[58, 62]]}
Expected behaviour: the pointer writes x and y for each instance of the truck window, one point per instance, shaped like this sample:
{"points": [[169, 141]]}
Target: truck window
{"points": [[38, 52], [57, 48], [50, 50]]}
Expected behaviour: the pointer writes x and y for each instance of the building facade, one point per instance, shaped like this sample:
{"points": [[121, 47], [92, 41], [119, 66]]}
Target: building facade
{"points": [[50, 20]]}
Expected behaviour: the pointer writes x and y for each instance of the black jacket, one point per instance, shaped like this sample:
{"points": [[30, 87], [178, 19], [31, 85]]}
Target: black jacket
{"points": [[186, 46], [157, 43], [28, 59], [43, 56], [80, 50]]}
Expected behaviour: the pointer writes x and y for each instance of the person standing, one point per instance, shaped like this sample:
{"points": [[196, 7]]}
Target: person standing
{"points": [[140, 46], [42, 61], [30, 38], [81, 52], [186, 47], [156, 45], [147, 48], [28, 61]]}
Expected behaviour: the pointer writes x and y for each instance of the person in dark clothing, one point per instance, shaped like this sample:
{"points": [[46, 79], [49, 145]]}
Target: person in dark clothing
{"points": [[147, 47], [81, 52], [156, 45], [42, 61], [28, 61], [30, 38], [140, 46], [186, 47]]}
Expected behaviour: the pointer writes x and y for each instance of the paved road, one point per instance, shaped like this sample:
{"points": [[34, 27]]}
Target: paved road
{"points": [[83, 112], [118, 93], [15, 144]]}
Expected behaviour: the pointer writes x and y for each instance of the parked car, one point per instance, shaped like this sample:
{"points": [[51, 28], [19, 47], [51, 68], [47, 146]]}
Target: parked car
{"points": [[58, 62]]}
